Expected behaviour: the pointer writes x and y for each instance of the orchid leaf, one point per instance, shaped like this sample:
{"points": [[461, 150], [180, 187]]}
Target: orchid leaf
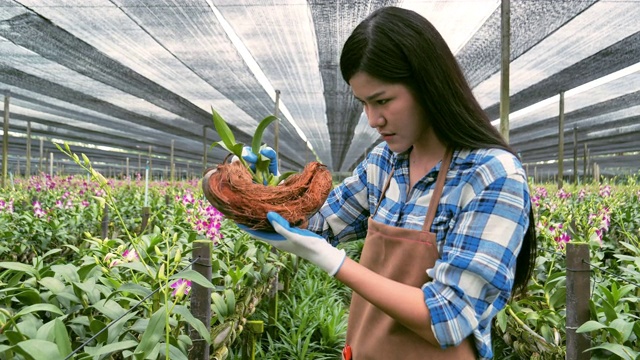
{"points": [[278, 179], [223, 130], [257, 136]]}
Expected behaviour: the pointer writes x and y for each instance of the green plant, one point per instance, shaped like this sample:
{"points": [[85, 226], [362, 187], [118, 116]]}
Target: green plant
{"points": [[261, 175]]}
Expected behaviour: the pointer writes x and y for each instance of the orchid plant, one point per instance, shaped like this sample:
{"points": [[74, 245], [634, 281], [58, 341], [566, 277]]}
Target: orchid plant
{"points": [[261, 174]]}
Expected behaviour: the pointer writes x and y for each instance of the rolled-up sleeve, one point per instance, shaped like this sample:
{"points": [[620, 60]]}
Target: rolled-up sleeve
{"points": [[473, 278]]}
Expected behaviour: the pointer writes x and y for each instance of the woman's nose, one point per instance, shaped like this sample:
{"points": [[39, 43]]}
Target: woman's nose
{"points": [[374, 118]]}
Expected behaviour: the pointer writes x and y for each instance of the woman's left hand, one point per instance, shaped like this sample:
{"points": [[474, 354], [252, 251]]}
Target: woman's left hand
{"points": [[304, 243]]}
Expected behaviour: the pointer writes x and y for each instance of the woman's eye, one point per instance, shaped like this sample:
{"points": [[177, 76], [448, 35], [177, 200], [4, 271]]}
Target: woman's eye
{"points": [[382, 101]]}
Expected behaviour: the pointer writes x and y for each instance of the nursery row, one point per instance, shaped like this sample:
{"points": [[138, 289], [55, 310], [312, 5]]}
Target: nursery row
{"points": [[63, 283]]}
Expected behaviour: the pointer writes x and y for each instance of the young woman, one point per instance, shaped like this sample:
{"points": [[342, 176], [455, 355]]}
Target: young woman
{"points": [[443, 204]]}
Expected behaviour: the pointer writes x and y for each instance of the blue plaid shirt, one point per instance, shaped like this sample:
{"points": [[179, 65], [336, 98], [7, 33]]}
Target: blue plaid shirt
{"points": [[479, 225]]}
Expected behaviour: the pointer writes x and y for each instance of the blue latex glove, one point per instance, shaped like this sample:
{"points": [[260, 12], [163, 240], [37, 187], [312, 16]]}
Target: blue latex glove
{"points": [[303, 243], [250, 157]]}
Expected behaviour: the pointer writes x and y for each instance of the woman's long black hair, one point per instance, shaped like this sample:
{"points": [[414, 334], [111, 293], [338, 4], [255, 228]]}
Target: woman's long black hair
{"points": [[400, 46]]}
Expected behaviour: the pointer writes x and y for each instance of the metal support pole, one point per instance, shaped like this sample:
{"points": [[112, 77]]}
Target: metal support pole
{"points": [[27, 170], [128, 169], [172, 164], [578, 295], [561, 141], [51, 164], [5, 140], [150, 164], [504, 74]]}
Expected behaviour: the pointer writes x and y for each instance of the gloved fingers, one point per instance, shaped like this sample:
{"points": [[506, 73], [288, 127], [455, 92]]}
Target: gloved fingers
{"points": [[281, 226], [248, 155], [269, 152], [273, 157]]}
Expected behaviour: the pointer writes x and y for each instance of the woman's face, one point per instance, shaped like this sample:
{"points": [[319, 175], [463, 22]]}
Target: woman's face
{"points": [[392, 111]]}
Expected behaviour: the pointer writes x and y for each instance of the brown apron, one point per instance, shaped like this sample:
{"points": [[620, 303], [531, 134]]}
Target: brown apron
{"points": [[402, 255]]}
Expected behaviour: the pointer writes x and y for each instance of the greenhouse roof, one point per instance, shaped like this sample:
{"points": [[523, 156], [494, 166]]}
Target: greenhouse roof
{"points": [[126, 75]]}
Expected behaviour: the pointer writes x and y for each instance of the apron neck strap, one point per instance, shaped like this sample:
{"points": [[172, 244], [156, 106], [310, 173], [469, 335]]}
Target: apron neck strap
{"points": [[437, 192], [384, 190]]}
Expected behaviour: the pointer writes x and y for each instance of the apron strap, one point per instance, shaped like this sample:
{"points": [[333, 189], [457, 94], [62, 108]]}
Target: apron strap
{"points": [[384, 190], [437, 192]]}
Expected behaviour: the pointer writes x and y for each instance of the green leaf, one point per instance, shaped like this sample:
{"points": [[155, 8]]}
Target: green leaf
{"points": [[193, 276], [589, 326], [39, 307], [622, 351], [624, 327], [136, 266], [115, 347], [278, 179], [54, 285], [62, 337], [134, 289], [67, 271], [223, 130], [230, 300], [256, 142], [96, 326], [110, 309], [219, 304], [20, 267], [176, 354], [46, 331], [193, 322], [152, 334], [40, 349], [502, 319]]}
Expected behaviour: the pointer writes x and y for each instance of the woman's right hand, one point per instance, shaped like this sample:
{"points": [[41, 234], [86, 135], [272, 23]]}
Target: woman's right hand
{"points": [[251, 158]]}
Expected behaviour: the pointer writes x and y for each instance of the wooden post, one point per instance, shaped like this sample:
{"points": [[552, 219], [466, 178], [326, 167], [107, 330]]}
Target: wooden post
{"points": [[504, 73], [575, 154], [41, 164], [253, 330], [561, 141], [578, 295], [5, 140], [201, 301], [27, 169], [105, 222], [585, 165]]}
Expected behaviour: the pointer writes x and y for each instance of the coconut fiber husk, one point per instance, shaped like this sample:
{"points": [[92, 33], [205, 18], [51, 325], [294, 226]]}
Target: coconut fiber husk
{"points": [[231, 189]]}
